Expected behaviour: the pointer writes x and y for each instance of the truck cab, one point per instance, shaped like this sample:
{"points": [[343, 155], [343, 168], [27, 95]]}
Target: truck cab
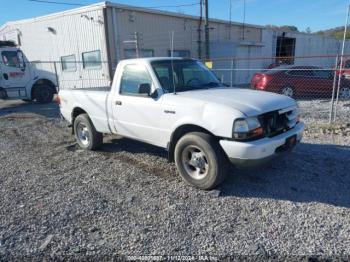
{"points": [[20, 79]]}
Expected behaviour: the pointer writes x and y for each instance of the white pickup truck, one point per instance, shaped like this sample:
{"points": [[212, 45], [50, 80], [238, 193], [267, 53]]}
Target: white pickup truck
{"points": [[179, 105]]}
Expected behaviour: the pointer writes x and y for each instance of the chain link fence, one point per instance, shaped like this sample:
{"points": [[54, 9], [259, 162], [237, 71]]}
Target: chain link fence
{"points": [[320, 84]]}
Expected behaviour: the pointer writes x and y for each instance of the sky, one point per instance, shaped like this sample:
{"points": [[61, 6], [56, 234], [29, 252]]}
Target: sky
{"points": [[315, 14]]}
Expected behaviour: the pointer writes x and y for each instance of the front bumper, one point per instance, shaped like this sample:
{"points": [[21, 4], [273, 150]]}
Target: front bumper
{"points": [[254, 153]]}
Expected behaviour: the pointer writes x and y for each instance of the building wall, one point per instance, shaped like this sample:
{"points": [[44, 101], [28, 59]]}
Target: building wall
{"points": [[307, 45], [71, 34], [155, 32]]}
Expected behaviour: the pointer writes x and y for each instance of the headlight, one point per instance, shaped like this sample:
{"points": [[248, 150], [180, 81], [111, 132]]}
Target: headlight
{"points": [[247, 128]]}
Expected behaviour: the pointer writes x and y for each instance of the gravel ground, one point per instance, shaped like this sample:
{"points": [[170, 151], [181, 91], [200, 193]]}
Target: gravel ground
{"points": [[59, 201]]}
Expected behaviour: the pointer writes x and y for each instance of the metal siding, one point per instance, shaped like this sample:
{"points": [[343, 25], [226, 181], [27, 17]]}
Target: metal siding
{"points": [[75, 34]]}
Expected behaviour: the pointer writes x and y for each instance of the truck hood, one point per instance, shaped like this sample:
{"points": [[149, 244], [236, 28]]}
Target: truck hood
{"points": [[249, 102]]}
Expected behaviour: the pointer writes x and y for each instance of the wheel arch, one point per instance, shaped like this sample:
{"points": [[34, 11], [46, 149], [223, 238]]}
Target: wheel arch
{"points": [[43, 81], [180, 132], [76, 112]]}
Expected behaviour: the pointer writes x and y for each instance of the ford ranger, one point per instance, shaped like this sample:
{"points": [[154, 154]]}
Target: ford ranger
{"points": [[179, 104]]}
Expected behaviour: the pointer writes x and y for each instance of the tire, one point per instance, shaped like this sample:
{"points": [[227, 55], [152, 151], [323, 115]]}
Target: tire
{"points": [[200, 160], [344, 93], [288, 91], [43, 94], [85, 133]]}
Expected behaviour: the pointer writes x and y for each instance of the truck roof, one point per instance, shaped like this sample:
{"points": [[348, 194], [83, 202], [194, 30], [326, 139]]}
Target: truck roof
{"points": [[152, 59], [7, 44]]}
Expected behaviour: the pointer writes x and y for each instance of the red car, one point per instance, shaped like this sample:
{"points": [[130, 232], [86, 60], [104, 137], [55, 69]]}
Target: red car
{"points": [[300, 82]]}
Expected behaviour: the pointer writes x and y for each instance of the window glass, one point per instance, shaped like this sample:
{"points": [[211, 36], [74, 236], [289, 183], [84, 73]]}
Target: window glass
{"points": [[68, 63], [92, 60], [131, 53], [186, 74], [302, 73], [10, 58], [347, 64], [323, 73], [133, 76], [180, 53]]}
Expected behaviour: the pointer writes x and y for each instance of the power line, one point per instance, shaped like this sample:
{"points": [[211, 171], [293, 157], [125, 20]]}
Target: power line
{"points": [[76, 4], [175, 6], [56, 3]]}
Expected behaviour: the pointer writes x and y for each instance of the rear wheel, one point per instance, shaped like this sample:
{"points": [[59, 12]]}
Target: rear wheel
{"points": [[200, 160], [86, 134], [43, 93], [288, 91]]}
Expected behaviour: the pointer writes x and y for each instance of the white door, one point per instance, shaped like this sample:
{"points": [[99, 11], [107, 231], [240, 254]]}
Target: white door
{"points": [[137, 115], [15, 74]]}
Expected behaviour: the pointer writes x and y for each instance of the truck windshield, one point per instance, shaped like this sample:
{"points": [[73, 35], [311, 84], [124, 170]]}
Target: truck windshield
{"points": [[186, 75]]}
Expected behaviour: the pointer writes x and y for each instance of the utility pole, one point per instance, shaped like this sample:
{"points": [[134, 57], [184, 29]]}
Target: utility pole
{"points": [[136, 41], [137, 44], [207, 39], [199, 42]]}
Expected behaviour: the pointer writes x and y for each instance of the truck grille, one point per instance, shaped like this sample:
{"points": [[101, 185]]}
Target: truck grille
{"points": [[278, 122]]}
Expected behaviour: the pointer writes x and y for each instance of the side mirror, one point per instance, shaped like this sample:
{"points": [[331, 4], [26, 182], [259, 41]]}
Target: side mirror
{"points": [[21, 62], [145, 89]]}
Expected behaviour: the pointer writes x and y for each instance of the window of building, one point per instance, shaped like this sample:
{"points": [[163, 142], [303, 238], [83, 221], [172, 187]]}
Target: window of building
{"points": [[131, 53], [68, 63], [133, 76], [180, 53], [92, 60]]}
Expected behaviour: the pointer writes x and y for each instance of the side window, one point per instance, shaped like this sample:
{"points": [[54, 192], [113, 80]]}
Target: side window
{"points": [[301, 73], [68, 63], [133, 76], [347, 64], [10, 58], [323, 73], [92, 60]]}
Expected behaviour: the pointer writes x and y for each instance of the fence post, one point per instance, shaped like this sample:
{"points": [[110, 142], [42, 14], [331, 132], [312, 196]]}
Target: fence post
{"points": [[56, 75], [231, 73], [333, 92], [338, 87]]}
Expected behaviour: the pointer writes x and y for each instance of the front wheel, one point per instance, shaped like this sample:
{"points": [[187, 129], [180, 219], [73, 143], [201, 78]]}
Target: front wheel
{"points": [[86, 134], [288, 91], [200, 160]]}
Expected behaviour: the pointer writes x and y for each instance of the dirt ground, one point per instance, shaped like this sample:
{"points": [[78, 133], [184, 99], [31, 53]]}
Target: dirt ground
{"points": [[127, 200]]}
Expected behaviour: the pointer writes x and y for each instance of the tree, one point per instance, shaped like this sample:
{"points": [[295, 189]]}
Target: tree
{"points": [[308, 30]]}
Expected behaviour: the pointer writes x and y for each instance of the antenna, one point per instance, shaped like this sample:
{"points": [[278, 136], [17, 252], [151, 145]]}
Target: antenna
{"points": [[172, 60]]}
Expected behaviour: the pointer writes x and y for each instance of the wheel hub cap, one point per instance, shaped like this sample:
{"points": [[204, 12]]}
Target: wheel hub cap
{"points": [[83, 134], [195, 162]]}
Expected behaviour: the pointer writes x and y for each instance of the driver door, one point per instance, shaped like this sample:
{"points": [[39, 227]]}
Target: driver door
{"points": [[15, 76], [137, 115]]}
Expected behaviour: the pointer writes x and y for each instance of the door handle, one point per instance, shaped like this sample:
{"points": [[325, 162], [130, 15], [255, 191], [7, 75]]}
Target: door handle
{"points": [[118, 103]]}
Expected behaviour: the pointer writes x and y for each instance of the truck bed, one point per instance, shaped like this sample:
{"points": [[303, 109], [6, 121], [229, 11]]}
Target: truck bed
{"points": [[92, 101]]}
